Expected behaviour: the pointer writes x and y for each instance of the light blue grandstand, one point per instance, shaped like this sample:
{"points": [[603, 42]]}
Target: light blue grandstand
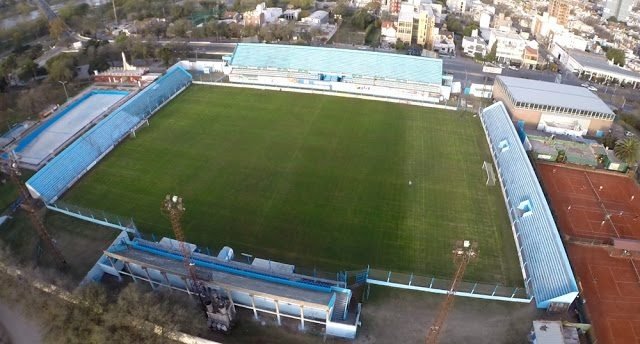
{"points": [[339, 70], [546, 270], [72, 163]]}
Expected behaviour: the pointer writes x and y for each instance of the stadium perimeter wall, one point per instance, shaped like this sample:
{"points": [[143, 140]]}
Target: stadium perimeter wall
{"points": [[372, 90], [328, 93]]}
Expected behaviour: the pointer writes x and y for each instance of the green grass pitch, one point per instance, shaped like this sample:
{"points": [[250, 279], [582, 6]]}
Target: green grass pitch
{"points": [[315, 181]]}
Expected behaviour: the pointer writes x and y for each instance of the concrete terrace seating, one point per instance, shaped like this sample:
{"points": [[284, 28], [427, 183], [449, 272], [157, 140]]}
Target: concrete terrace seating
{"points": [[61, 172], [548, 275]]}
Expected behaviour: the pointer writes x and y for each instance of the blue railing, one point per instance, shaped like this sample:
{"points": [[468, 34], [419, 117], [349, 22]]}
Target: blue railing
{"points": [[235, 270]]}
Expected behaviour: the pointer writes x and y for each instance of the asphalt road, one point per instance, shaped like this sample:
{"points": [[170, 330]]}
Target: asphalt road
{"points": [[467, 71]]}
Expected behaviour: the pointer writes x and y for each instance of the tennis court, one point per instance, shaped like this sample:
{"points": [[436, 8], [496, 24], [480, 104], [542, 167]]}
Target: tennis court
{"points": [[591, 204]]}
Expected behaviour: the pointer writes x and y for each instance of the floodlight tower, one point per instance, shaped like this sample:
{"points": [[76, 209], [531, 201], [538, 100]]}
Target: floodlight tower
{"points": [[220, 313], [174, 208], [29, 204], [463, 253]]}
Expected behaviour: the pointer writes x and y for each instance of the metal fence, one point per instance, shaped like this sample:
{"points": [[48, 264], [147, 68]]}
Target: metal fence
{"points": [[99, 217], [442, 286]]}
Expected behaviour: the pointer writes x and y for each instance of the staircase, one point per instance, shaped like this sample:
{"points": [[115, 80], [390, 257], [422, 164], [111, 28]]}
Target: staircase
{"points": [[342, 300]]}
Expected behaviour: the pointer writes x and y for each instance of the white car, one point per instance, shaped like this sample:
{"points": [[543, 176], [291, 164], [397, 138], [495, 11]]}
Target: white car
{"points": [[513, 67], [585, 85], [591, 88]]}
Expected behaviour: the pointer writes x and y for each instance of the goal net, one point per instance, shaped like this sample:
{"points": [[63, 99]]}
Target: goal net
{"points": [[491, 176]]}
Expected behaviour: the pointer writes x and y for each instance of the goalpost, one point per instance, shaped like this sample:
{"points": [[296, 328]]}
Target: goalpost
{"points": [[491, 176]]}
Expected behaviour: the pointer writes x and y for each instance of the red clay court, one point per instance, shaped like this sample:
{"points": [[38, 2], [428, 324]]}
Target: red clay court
{"points": [[594, 205], [612, 292]]}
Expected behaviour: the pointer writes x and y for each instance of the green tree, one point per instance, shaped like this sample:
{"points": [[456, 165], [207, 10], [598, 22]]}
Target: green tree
{"points": [[454, 24], [304, 4], [491, 56], [609, 141], [342, 8], [28, 70], [469, 28], [373, 6], [61, 68], [179, 28], [399, 44], [165, 54], [362, 18], [627, 150], [56, 28], [617, 55]]}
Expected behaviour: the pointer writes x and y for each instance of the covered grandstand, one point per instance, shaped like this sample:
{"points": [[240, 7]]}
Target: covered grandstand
{"points": [[55, 132], [546, 270], [340, 70], [261, 288], [72, 163]]}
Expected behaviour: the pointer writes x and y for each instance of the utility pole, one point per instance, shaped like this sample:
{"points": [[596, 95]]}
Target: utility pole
{"points": [[64, 86], [115, 14], [463, 253], [29, 204]]}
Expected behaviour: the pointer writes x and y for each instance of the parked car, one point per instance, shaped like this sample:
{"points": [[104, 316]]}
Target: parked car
{"points": [[628, 134], [585, 85], [591, 88], [513, 67]]}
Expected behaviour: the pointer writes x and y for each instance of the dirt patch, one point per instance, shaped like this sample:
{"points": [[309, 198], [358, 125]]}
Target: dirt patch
{"points": [[399, 316], [393, 315]]}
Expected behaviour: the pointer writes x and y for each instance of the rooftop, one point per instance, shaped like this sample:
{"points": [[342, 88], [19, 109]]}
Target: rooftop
{"points": [[507, 34], [169, 261], [406, 13], [356, 63], [549, 277], [600, 62], [553, 94]]}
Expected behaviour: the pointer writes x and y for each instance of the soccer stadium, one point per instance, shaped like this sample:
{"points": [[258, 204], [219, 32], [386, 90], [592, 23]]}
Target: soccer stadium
{"points": [[294, 199]]}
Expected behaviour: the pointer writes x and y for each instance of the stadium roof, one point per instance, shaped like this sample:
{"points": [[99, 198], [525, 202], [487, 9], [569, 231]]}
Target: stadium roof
{"points": [[339, 61], [553, 94], [549, 276]]}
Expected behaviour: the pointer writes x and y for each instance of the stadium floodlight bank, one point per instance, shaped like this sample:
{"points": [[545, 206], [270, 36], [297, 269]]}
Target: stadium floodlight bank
{"points": [[545, 267], [339, 70]]}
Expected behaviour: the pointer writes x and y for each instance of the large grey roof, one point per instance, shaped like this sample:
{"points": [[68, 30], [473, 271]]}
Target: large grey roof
{"points": [[593, 61], [553, 94], [549, 276]]}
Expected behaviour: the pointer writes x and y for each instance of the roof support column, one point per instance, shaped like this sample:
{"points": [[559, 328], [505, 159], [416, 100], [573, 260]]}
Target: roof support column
{"points": [[233, 305], [149, 278], [135, 280], [302, 317], [166, 278], [253, 305], [278, 311], [114, 268], [186, 285]]}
